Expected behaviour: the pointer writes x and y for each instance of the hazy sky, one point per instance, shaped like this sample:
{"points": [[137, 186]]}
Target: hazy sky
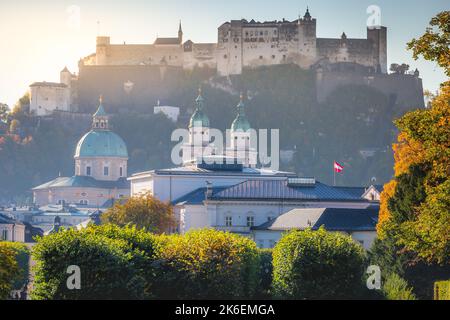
{"points": [[39, 38]]}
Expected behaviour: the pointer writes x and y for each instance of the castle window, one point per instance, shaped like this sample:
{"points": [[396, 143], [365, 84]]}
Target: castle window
{"points": [[88, 171], [273, 56], [121, 171], [106, 171], [228, 221], [225, 56], [260, 57]]}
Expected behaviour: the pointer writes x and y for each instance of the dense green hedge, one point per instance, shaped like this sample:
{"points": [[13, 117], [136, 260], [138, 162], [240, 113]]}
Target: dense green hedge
{"points": [[111, 260], [317, 265], [14, 267], [265, 273], [208, 264], [396, 288], [442, 290]]}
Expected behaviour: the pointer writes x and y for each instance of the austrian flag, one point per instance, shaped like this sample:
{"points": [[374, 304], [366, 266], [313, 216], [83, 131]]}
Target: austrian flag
{"points": [[338, 168]]}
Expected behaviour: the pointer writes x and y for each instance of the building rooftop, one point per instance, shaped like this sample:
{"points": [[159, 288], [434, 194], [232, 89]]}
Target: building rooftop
{"points": [[84, 182], [332, 219], [48, 84], [281, 190]]}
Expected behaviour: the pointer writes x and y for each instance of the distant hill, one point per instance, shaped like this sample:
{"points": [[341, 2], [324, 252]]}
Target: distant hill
{"points": [[353, 125]]}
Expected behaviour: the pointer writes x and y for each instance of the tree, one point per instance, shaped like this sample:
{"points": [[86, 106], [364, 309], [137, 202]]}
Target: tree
{"points": [[435, 43], [145, 212], [317, 265], [4, 111], [9, 270], [399, 68], [415, 208]]}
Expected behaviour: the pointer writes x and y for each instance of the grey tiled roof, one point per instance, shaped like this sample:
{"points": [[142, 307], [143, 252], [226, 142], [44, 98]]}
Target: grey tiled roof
{"points": [[332, 219], [84, 182], [280, 190], [197, 196]]}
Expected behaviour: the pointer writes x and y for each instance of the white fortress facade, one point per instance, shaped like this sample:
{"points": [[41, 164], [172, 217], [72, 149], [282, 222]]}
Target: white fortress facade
{"points": [[248, 44]]}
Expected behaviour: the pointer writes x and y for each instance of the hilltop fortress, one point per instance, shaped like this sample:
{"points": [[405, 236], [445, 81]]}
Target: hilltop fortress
{"points": [[249, 44], [135, 76]]}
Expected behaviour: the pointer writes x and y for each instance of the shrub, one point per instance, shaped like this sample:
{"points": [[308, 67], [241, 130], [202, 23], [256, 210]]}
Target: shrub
{"points": [[106, 266], [442, 290], [396, 288], [265, 273], [22, 256], [9, 270], [208, 264], [144, 248], [317, 265]]}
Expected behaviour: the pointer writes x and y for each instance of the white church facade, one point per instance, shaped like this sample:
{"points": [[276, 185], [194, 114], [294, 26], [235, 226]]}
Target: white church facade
{"points": [[240, 197]]}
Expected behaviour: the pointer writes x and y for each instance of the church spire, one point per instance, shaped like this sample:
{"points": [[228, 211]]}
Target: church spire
{"points": [[307, 15], [100, 119], [199, 118], [241, 122], [180, 33]]}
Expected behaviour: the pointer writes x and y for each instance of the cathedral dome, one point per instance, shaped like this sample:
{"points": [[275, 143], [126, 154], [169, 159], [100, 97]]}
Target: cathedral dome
{"points": [[199, 118], [240, 123], [97, 143]]}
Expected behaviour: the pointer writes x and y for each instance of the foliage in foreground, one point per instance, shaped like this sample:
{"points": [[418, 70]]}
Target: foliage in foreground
{"points": [[209, 264], [396, 288], [317, 265], [14, 267], [442, 290]]}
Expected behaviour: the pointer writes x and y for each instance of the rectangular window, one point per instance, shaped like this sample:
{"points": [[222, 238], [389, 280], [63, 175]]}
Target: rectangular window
{"points": [[106, 171], [121, 171], [250, 221], [4, 234], [88, 171], [228, 221]]}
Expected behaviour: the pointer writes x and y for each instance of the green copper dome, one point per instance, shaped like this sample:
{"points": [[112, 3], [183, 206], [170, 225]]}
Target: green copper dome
{"points": [[241, 122], [101, 141], [98, 143], [199, 118]]}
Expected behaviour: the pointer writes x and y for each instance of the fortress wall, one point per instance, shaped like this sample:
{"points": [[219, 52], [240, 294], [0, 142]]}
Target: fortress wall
{"points": [[147, 84], [349, 50], [139, 54], [404, 91], [201, 55]]}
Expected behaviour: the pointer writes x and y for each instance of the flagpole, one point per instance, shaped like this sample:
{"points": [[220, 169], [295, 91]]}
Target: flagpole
{"points": [[334, 177]]}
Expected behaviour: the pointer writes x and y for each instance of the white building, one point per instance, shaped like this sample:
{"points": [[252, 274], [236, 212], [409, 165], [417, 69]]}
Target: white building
{"points": [[101, 164], [238, 197], [47, 97], [170, 112], [11, 229]]}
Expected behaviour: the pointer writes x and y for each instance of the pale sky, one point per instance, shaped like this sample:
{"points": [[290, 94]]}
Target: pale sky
{"points": [[39, 38]]}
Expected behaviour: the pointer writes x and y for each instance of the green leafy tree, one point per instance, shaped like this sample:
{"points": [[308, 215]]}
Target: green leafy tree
{"points": [[144, 212], [9, 270], [435, 43], [4, 111], [317, 265]]}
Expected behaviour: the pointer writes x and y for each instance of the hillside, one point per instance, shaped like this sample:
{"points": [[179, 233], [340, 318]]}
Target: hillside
{"points": [[353, 126]]}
